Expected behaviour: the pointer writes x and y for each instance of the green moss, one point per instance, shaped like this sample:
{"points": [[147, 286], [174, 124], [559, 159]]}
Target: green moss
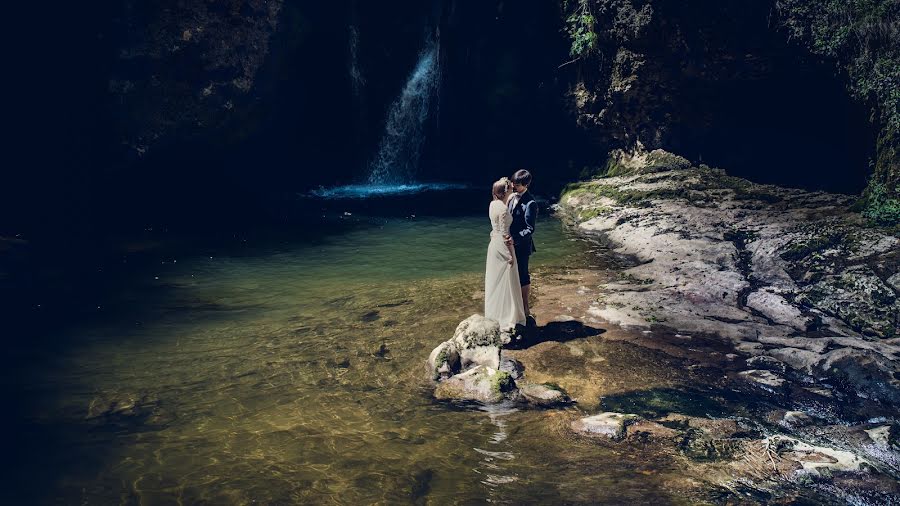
{"points": [[573, 190], [802, 249], [591, 213], [501, 382], [442, 358], [659, 160]]}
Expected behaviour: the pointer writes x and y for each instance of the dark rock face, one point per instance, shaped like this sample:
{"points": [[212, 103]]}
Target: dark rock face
{"points": [[188, 66], [713, 81]]}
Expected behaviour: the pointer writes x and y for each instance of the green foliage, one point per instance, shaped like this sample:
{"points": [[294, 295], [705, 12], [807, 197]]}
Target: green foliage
{"points": [[881, 208], [863, 36], [588, 21], [580, 25]]}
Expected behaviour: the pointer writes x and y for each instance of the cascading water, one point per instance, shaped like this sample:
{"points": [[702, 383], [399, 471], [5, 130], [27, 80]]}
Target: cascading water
{"points": [[357, 80], [404, 132], [392, 171]]}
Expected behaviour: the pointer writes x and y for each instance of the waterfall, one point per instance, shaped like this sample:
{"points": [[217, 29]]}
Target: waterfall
{"points": [[404, 131], [357, 80]]}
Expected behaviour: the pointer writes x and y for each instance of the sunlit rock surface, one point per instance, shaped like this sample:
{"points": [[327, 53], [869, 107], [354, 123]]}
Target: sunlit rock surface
{"points": [[483, 384], [610, 425], [787, 273], [476, 341], [542, 395]]}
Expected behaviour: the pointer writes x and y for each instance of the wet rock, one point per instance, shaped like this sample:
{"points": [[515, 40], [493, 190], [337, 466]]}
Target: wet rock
{"points": [[795, 419], [444, 361], [817, 459], [767, 380], [610, 425], [884, 437], [122, 406], [801, 360], [778, 309], [705, 439], [476, 341], [860, 298], [645, 429], [543, 395], [511, 366], [482, 384], [768, 363], [711, 428], [371, 316], [871, 374]]}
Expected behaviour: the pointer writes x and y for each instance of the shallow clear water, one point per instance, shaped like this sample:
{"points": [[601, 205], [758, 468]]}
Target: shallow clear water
{"points": [[294, 373]]}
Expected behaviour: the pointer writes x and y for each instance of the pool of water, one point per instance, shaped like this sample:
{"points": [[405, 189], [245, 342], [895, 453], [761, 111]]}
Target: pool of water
{"points": [[292, 371]]}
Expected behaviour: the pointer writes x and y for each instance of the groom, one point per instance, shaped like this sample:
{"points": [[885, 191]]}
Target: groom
{"points": [[524, 213]]}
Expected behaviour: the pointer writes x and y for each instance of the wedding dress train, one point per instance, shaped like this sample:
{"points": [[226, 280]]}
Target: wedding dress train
{"points": [[502, 292]]}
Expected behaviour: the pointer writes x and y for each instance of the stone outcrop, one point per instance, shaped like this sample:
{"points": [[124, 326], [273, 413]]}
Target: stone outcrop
{"points": [[188, 67], [470, 366], [476, 341], [770, 268], [482, 384]]}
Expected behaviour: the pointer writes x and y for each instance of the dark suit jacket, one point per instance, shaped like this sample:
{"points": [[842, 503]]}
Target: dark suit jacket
{"points": [[524, 215]]}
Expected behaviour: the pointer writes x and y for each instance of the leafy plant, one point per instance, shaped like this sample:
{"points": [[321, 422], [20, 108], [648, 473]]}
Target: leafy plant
{"points": [[881, 208], [581, 28]]}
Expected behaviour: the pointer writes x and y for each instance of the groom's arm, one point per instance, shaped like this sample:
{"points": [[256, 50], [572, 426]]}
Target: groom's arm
{"points": [[531, 210]]}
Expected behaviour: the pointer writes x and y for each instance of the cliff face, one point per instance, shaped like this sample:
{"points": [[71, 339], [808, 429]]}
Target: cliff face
{"points": [[650, 74], [189, 66]]}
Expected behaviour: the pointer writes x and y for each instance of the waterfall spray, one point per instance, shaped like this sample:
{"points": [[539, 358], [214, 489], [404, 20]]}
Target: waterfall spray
{"points": [[404, 131], [356, 77]]}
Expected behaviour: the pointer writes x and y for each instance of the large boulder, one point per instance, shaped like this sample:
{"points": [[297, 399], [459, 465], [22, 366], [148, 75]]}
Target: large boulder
{"points": [[476, 341], [482, 384]]}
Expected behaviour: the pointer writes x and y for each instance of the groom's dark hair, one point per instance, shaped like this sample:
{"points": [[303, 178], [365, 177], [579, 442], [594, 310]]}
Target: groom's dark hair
{"points": [[522, 177]]}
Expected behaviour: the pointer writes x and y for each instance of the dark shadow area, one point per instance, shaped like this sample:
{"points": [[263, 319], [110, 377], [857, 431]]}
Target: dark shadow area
{"points": [[553, 331], [744, 98]]}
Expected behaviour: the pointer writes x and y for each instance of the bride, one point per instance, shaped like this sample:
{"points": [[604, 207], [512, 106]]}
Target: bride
{"points": [[502, 293]]}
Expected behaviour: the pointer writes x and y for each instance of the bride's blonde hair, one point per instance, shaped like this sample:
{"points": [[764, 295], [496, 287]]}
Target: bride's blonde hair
{"points": [[500, 188]]}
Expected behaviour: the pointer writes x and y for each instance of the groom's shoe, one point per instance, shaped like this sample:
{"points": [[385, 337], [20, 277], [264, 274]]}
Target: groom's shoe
{"points": [[530, 321]]}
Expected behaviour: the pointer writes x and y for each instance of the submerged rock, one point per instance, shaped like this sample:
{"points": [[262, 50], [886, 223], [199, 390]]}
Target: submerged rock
{"points": [[543, 395], [610, 425], [482, 384], [794, 419]]}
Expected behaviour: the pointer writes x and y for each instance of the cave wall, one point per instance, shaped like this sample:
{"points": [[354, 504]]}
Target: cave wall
{"points": [[720, 83]]}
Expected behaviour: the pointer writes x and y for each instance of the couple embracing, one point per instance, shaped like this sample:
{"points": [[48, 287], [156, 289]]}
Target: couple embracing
{"points": [[506, 280]]}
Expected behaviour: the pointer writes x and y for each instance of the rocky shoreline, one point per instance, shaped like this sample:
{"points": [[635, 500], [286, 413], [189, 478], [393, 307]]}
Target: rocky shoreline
{"points": [[748, 337], [783, 273]]}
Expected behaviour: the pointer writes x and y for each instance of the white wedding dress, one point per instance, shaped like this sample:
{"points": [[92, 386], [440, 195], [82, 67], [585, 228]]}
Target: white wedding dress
{"points": [[502, 292]]}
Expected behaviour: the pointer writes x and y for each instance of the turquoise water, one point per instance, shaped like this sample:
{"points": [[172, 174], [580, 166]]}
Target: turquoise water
{"points": [[293, 372]]}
